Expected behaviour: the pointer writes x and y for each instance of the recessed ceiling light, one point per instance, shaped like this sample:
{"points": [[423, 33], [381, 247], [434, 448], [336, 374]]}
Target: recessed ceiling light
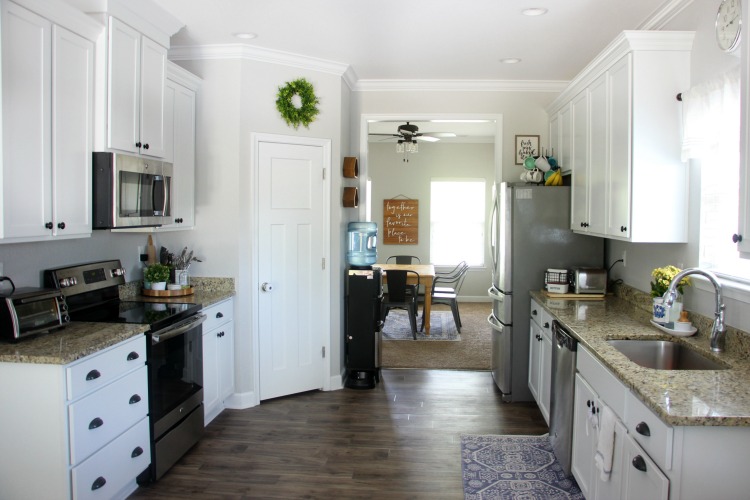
{"points": [[246, 36], [535, 11], [510, 60]]}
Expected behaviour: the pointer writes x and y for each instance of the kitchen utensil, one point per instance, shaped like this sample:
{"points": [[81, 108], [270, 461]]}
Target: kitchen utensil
{"points": [[529, 163], [150, 251]]}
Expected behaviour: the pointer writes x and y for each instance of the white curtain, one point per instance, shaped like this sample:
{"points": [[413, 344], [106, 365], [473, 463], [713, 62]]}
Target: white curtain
{"points": [[711, 117]]}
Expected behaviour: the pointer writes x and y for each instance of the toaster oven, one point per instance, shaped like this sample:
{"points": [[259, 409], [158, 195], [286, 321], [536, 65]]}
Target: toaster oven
{"points": [[589, 280], [27, 311]]}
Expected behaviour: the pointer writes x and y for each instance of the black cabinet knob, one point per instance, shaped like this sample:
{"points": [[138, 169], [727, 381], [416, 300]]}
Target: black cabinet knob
{"points": [[138, 144], [736, 238], [639, 463], [61, 225], [145, 146], [93, 375], [219, 315], [588, 403], [583, 224], [98, 483], [133, 356], [96, 423], [49, 225], [642, 429], [533, 313], [623, 229], [135, 398], [546, 325], [137, 452]]}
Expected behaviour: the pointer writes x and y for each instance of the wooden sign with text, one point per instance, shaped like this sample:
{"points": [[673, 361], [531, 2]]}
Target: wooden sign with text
{"points": [[400, 222]]}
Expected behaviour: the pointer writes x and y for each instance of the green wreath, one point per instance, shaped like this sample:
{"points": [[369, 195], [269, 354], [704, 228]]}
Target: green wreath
{"points": [[295, 111]]}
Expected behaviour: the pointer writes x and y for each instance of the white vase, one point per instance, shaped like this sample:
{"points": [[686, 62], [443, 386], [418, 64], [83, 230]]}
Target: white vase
{"points": [[181, 277], [659, 314], [161, 285]]}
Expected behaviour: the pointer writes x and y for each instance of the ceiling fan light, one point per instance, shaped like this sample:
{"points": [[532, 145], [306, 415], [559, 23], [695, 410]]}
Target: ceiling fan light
{"points": [[399, 147]]}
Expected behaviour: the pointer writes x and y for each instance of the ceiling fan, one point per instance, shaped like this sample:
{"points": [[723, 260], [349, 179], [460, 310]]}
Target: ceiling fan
{"points": [[410, 133]]}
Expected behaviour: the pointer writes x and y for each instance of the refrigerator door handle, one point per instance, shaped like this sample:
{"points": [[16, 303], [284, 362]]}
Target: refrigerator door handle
{"points": [[495, 323], [493, 232]]}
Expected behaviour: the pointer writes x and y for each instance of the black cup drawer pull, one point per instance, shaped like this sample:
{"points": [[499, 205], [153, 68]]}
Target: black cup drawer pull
{"points": [[639, 463], [133, 356], [135, 398], [219, 315], [642, 429], [137, 452], [98, 483], [97, 422], [93, 375]]}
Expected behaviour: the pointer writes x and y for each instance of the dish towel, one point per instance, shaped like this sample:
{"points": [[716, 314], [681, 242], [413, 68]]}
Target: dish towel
{"points": [[605, 444]]}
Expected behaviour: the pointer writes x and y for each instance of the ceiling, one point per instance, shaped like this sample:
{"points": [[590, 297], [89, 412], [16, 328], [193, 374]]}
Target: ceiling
{"points": [[425, 39]]}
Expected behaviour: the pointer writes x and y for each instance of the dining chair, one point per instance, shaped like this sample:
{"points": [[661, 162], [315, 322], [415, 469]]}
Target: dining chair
{"points": [[449, 297], [445, 282], [403, 259], [400, 296]]}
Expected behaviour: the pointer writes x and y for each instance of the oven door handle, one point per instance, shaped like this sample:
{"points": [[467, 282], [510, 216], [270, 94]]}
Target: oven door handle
{"points": [[177, 329]]}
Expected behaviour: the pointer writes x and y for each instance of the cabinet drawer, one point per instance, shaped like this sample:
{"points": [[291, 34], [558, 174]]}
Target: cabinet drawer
{"points": [[98, 370], [107, 472], [100, 417], [641, 477], [218, 314], [610, 390], [649, 431]]}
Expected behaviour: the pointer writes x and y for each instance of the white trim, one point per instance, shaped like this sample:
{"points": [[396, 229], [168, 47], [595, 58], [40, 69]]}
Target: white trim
{"points": [[730, 288], [180, 75], [255, 139], [243, 51], [664, 14], [553, 86]]}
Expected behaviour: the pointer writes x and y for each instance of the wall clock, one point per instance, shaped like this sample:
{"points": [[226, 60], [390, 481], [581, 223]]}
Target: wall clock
{"points": [[729, 25]]}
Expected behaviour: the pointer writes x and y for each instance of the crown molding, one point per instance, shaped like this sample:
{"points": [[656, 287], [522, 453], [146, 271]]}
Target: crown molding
{"points": [[251, 53], [555, 86], [664, 14]]}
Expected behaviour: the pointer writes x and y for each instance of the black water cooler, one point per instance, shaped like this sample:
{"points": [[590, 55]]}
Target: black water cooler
{"points": [[364, 296]]}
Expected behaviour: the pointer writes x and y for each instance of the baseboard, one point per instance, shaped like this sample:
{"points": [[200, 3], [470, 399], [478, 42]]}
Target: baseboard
{"points": [[241, 401]]}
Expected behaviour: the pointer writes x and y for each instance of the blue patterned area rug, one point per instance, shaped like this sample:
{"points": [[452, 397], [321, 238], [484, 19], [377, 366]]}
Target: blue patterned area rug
{"points": [[442, 326], [513, 467]]}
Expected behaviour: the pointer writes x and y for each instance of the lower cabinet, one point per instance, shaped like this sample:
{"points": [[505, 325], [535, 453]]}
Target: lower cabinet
{"points": [[76, 431], [218, 357], [540, 358], [641, 478]]}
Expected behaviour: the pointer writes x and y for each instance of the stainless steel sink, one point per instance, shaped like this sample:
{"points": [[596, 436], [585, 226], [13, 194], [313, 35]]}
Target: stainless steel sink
{"points": [[664, 355]]}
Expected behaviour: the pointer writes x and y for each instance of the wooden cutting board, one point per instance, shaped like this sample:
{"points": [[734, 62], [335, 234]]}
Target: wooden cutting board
{"points": [[574, 296]]}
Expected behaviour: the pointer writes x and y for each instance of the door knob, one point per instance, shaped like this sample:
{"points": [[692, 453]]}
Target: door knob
{"points": [[266, 287]]}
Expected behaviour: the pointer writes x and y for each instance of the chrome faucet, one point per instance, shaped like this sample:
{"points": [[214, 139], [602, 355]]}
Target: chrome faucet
{"points": [[718, 330]]}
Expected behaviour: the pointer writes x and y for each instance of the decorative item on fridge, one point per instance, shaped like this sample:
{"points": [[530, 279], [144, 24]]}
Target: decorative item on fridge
{"points": [[556, 280]]}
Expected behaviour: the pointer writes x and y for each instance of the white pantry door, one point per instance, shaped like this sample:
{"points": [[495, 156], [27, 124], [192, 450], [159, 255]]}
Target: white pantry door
{"points": [[291, 251]]}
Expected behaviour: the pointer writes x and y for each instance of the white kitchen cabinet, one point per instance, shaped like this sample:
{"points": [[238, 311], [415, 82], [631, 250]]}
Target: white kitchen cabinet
{"points": [[641, 477], [84, 432], [632, 149], [540, 357], [218, 357], [136, 75], [47, 95], [742, 237], [179, 124]]}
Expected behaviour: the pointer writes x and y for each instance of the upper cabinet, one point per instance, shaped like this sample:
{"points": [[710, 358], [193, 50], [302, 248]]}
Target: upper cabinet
{"points": [[624, 144], [742, 238], [48, 55], [136, 75]]}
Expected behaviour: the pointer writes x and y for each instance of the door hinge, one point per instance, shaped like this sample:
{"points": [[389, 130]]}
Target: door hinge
{"points": [[323, 263], [324, 351]]}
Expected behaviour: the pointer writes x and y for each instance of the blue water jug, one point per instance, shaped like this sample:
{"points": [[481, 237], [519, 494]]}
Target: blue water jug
{"points": [[363, 240]]}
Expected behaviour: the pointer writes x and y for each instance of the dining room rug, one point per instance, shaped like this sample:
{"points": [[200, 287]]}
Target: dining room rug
{"points": [[513, 467], [442, 326]]}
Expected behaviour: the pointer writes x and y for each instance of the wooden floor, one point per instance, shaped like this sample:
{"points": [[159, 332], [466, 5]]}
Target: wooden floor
{"points": [[400, 440]]}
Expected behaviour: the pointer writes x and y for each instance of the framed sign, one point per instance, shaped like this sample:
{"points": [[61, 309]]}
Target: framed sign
{"points": [[400, 221], [526, 145]]}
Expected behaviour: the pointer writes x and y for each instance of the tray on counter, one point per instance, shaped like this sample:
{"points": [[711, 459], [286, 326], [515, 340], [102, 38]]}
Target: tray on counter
{"points": [[574, 296], [169, 293]]}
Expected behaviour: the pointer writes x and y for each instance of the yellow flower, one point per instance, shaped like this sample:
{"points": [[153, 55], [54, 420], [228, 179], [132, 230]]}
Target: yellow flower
{"points": [[663, 276]]}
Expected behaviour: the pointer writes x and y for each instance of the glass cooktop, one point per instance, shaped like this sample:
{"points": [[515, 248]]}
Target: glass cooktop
{"points": [[149, 313]]}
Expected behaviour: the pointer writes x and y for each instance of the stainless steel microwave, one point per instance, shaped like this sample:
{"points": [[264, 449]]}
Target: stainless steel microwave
{"points": [[129, 191]]}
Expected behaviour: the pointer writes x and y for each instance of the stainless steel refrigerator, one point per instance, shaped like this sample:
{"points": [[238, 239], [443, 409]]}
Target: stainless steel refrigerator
{"points": [[530, 233]]}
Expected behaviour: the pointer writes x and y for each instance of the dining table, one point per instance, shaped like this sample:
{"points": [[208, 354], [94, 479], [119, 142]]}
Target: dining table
{"points": [[426, 276]]}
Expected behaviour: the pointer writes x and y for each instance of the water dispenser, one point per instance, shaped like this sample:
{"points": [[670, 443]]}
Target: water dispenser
{"points": [[362, 249]]}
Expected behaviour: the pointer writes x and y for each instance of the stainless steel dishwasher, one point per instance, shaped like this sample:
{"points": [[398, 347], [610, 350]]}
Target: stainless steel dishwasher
{"points": [[564, 348]]}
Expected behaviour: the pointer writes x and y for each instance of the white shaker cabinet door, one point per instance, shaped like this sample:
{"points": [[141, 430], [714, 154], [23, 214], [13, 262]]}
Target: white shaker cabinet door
{"points": [[72, 132], [123, 81], [26, 106], [153, 78], [620, 140]]}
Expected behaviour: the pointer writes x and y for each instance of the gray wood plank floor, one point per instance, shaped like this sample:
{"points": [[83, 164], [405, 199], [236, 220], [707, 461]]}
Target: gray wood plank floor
{"points": [[400, 440]]}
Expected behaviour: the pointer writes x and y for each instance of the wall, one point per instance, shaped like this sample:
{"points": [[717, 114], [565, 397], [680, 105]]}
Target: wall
{"points": [[707, 61], [392, 177]]}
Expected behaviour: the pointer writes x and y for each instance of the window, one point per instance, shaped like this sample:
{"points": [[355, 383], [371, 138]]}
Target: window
{"points": [[457, 221]]}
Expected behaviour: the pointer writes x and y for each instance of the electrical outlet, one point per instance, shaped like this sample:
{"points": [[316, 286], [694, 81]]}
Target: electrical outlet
{"points": [[624, 258], [141, 253]]}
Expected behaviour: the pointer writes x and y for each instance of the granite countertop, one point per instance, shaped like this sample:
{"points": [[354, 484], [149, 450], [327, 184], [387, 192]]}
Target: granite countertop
{"points": [[678, 397], [79, 339]]}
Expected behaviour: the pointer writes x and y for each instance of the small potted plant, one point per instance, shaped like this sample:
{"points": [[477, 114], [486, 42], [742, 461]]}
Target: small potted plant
{"points": [[157, 275], [662, 277]]}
